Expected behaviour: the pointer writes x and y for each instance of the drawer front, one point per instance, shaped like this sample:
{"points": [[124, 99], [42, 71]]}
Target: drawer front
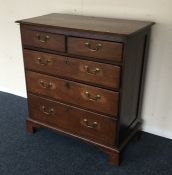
{"points": [[95, 48], [87, 71], [43, 40], [96, 99], [74, 120]]}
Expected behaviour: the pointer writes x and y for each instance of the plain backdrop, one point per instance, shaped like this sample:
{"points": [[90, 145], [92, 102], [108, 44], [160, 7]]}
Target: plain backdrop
{"points": [[157, 106]]}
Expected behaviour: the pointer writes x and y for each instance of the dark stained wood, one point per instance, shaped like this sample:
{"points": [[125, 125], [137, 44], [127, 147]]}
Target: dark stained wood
{"points": [[105, 61], [57, 88], [112, 152], [87, 23], [113, 156], [73, 93], [70, 119], [30, 128], [131, 78], [143, 73], [43, 40], [76, 33], [95, 48], [76, 69]]}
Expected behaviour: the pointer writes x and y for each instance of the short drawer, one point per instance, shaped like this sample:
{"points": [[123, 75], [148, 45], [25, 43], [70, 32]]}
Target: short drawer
{"points": [[43, 40], [95, 48], [74, 120], [87, 71], [96, 99]]}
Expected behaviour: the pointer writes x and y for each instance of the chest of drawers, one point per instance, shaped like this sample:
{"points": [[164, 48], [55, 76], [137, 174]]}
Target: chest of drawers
{"points": [[85, 76]]}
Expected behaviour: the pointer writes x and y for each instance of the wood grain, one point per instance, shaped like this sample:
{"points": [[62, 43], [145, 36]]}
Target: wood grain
{"points": [[85, 77], [71, 119], [73, 68], [38, 39], [109, 50], [74, 93], [87, 23]]}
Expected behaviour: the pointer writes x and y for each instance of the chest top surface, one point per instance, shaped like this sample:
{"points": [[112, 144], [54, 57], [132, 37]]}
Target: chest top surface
{"points": [[87, 23]]}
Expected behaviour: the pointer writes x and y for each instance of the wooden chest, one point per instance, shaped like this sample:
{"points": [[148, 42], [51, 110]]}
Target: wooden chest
{"points": [[84, 77]]}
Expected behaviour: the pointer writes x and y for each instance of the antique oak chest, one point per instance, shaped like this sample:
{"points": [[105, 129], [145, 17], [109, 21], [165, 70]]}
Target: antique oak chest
{"points": [[85, 76]]}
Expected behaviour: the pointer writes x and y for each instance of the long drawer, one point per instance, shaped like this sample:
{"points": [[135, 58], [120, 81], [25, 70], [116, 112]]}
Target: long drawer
{"points": [[43, 40], [74, 120], [77, 69], [96, 99], [105, 50]]}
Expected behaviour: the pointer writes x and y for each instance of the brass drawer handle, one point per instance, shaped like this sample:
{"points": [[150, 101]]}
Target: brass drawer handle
{"points": [[42, 39], [88, 95], [49, 111], [89, 125], [91, 72], [43, 62], [45, 84], [98, 46]]}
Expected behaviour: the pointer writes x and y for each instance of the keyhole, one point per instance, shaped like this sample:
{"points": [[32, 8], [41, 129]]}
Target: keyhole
{"points": [[67, 85], [67, 60], [67, 109]]}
